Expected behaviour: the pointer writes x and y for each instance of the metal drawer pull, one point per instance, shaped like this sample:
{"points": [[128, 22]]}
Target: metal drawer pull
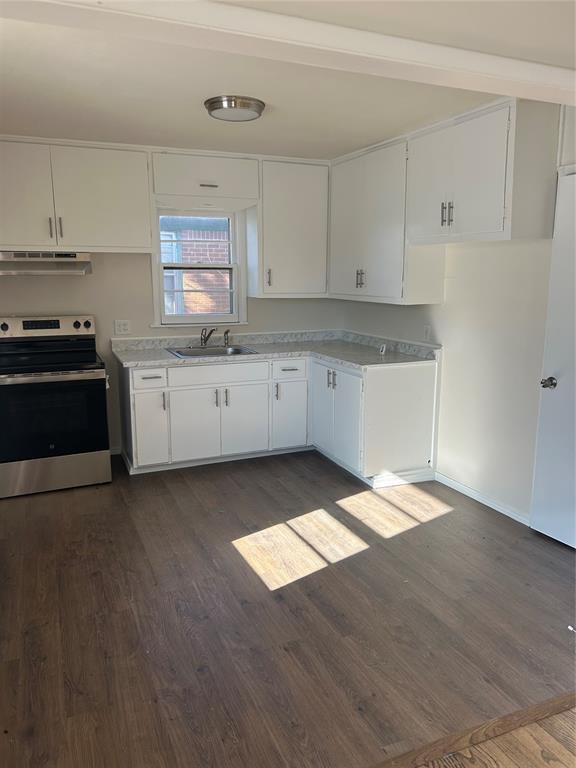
{"points": [[450, 214], [217, 398], [226, 397], [333, 379], [60, 227], [289, 369], [277, 391], [50, 228], [209, 186], [329, 378], [147, 378], [443, 215]]}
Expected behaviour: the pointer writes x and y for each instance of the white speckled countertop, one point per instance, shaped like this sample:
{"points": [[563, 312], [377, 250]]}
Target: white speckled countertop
{"points": [[337, 347]]}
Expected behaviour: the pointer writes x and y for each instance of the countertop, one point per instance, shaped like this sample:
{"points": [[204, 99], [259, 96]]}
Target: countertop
{"points": [[338, 352]]}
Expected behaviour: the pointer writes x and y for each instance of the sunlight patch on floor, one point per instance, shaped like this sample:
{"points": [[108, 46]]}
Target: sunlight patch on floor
{"points": [[289, 551], [391, 511]]}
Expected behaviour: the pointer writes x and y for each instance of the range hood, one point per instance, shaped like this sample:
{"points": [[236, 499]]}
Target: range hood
{"points": [[44, 263]]}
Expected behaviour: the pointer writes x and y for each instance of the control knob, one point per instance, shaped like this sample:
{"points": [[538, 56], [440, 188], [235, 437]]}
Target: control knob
{"points": [[76, 324], [87, 324], [4, 327]]}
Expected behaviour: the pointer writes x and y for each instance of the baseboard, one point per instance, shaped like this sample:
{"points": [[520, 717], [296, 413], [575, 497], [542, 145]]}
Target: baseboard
{"points": [[477, 496], [389, 479]]}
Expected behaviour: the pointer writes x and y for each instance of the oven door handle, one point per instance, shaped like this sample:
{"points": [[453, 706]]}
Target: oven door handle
{"points": [[55, 377]]}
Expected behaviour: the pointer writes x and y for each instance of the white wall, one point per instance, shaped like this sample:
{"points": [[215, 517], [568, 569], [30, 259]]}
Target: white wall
{"points": [[492, 329], [121, 288]]}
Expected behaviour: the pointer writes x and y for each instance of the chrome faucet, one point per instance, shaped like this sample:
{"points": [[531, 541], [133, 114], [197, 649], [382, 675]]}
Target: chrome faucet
{"points": [[205, 336]]}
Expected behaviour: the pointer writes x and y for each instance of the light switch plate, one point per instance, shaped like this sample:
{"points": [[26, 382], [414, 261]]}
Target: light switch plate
{"points": [[122, 327]]}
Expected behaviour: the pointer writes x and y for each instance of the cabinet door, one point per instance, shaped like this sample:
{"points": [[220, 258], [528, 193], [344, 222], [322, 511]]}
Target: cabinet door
{"points": [[294, 227], [151, 428], [289, 414], [195, 423], [207, 176], [428, 185], [347, 417], [244, 418], [346, 226], [321, 407], [26, 200], [101, 198], [480, 148]]}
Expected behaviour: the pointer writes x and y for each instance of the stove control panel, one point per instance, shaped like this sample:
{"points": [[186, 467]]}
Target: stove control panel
{"points": [[65, 325]]}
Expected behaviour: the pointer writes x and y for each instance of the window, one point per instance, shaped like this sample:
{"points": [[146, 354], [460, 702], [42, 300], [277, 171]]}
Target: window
{"points": [[200, 274]]}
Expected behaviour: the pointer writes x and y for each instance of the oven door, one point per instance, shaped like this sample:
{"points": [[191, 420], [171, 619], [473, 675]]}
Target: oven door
{"points": [[52, 414]]}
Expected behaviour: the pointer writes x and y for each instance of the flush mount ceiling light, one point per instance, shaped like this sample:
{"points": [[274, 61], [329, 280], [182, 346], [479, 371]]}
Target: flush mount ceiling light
{"points": [[234, 109]]}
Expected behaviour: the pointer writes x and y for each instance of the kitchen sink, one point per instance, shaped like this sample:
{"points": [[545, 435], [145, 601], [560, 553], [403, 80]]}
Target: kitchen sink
{"points": [[211, 351]]}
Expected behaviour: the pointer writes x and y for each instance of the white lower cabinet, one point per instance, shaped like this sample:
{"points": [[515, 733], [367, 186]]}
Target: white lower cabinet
{"points": [[321, 407], [195, 423], [244, 419], [151, 429], [289, 414]]}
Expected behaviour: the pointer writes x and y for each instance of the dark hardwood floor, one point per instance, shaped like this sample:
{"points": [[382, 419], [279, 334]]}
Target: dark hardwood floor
{"points": [[134, 634]]}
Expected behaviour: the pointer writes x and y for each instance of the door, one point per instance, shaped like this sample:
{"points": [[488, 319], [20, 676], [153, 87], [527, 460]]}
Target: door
{"points": [[554, 496], [244, 418], [151, 428], [289, 414], [347, 226], [321, 407], [480, 148], [101, 198], [428, 184], [26, 200], [294, 227], [195, 423], [347, 414]]}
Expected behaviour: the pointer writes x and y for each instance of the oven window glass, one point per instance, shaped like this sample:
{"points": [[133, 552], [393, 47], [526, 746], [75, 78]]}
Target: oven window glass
{"points": [[52, 419]]}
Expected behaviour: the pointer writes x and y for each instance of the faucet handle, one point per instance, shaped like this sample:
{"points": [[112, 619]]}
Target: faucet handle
{"points": [[227, 338]]}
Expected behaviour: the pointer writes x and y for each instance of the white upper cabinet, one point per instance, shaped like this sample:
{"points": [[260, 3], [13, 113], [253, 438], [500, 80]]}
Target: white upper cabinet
{"points": [[368, 257], [73, 198], [205, 176], [487, 176], [26, 199], [294, 227], [102, 198]]}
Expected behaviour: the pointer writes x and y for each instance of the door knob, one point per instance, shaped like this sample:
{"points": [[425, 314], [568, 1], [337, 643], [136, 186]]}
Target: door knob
{"points": [[549, 383]]}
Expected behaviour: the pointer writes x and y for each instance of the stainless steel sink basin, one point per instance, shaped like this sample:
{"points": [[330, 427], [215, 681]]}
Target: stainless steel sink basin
{"points": [[211, 351]]}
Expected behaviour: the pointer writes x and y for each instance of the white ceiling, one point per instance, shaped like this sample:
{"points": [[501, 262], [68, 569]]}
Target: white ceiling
{"points": [[532, 30], [61, 82]]}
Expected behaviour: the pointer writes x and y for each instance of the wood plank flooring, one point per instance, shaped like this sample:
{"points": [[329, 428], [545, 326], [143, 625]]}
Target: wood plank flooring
{"points": [[133, 634]]}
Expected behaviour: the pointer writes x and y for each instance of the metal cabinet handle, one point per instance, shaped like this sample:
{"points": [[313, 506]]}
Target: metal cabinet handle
{"points": [[277, 391], [357, 278], [269, 277], [147, 378], [209, 186], [443, 214], [217, 398], [549, 383], [329, 378], [333, 379], [164, 401], [450, 214], [226, 397], [50, 227], [60, 227], [362, 275]]}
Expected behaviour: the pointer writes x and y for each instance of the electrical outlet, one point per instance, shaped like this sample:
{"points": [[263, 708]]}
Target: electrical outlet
{"points": [[122, 327], [427, 332]]}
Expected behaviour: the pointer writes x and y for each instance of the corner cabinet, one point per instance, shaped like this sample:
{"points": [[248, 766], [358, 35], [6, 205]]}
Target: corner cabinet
{"points": [[486, 176], [73, 198], [378, 422], [287, 233], [369, 260]]}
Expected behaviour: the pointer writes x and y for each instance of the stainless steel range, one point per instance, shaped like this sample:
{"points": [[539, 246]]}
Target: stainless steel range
{"points": [[53, 421]]}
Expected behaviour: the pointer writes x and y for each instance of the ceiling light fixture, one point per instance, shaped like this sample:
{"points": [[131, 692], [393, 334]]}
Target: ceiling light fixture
{"points": [[234, 109]]}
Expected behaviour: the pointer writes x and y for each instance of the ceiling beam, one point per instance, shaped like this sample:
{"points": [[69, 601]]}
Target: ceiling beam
{"points": [[238, 30]]}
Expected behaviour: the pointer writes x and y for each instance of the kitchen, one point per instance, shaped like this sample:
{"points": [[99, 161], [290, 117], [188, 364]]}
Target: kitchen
{"points": [[379, 309]]}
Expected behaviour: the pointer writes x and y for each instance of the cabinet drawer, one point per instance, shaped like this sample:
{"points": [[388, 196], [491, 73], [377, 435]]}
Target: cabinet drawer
{"points": [[213, 176], [149, 378], [289, 369], [217, 374]]}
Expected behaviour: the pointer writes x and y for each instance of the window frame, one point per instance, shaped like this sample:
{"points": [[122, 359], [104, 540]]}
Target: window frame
{"points": [[237, 268]]}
